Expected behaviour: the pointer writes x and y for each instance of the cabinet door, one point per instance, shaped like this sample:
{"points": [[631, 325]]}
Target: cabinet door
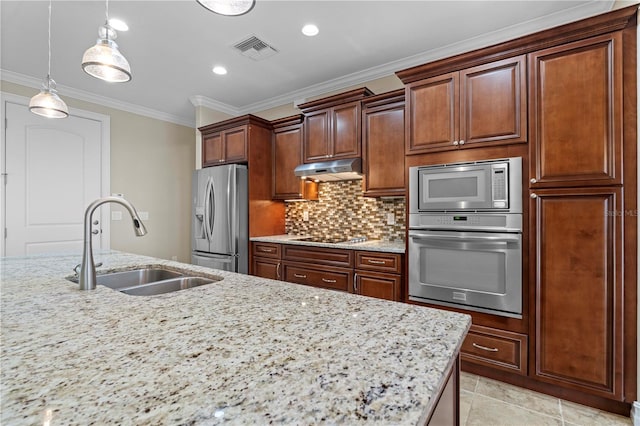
{"points": [[345, 128], [433, 114], [212, 150], [235, 144], [287, 155], [266, 268], [373, 284], [493, 103], [316, 132], [383, 151], [576, 117], [576, 254], [332, 278]]}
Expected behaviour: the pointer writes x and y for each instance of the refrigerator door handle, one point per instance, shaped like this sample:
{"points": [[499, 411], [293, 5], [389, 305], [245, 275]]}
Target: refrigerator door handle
{"points": [[207, 211], [231, 206], [211, 201]]}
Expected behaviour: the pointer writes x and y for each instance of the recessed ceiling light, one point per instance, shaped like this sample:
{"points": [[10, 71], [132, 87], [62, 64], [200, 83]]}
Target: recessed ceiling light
{"points": [[118, 24], [310, 30], [219, 70]]}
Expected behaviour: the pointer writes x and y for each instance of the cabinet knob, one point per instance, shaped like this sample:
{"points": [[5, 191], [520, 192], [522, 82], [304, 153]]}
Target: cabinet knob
{"points": [[461, 142], [534, 195], [455, 143], [220, 160], [533, 180]]}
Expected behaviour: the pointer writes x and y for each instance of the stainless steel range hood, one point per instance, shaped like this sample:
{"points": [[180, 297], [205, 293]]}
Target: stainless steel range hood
{"points": [[327, 171]]}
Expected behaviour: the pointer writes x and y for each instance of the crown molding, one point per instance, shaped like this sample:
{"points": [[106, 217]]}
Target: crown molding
{"points": [[203, 101], [82, 95]]}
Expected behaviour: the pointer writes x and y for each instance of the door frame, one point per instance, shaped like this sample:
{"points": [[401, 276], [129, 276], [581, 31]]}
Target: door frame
{"points": [[105, 167]]}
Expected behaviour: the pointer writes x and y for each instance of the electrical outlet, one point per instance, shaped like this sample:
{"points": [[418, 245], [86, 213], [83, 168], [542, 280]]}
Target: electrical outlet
{"points": [[174, 257], [116, 215], [143, 215], [305, 216], [391, 219]]}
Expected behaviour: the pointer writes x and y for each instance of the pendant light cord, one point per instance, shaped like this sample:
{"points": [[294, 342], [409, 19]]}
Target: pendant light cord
{"points": [[106, 11], [49, 64]]}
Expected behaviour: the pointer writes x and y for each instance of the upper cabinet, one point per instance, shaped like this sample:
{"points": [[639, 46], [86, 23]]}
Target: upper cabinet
{"points": [[383, 145], [224, 146], [478, 106], [332, 126], [287, 155], [576, 113]]}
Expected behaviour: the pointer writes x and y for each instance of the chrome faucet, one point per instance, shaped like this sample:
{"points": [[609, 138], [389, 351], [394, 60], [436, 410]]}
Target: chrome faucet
{"points": [[87, 278]]}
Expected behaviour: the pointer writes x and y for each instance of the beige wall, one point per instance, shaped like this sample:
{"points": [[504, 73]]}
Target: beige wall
{"points": [[151, 164]]}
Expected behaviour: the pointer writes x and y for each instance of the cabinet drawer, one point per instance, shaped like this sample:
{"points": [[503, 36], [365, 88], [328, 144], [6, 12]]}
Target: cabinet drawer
{"points": [[318, 255], [270, 250], [500, 349], [378, 261], [266, 268], [333, 279]]}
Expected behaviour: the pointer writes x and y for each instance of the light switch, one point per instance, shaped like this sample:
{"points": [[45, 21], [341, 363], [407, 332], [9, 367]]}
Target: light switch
{"points": [[391, 219], [305, 216], [116, 215], [143, 215]]}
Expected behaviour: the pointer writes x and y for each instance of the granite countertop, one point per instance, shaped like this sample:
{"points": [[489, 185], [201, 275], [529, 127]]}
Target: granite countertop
{"points": [[243, 350], [372, 245]]}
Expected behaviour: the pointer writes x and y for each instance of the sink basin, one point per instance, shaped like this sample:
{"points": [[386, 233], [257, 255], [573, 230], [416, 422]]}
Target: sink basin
{"points": [[166, 286], [136, 277]]}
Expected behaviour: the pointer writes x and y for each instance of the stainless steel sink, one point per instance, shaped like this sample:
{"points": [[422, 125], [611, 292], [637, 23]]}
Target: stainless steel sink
{"points": [[166, 286], [136, 277]]}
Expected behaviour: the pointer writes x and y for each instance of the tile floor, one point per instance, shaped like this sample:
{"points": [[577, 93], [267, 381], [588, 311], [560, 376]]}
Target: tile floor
{"points": [[488, 402]]}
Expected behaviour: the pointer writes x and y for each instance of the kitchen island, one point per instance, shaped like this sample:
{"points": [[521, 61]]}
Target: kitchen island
{"points": [[242, 350]]}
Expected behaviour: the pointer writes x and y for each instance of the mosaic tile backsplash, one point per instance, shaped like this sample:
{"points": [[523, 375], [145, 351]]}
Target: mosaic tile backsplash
{"points": [[343, 212]]}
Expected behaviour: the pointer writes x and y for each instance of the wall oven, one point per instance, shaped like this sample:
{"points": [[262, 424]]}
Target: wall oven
{"points": [[465, 236]]}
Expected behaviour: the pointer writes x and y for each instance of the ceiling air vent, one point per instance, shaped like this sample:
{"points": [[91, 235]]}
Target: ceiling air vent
{"points": [[254, 48]]}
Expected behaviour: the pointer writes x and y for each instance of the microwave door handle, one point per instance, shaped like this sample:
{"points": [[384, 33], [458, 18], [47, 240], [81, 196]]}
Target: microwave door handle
{"points": [[422, 236]]}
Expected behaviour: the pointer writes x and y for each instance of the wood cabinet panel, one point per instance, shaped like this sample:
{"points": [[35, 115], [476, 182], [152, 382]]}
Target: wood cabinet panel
{"points": [[577, 270], [266, 268], [383, 146], [379, 261], [318, 255], [227, 146], [316, 141], [271, 250], [287, 155], [345, 125], [575, 104], [432, 113], [212, 150], [235, 143], [499, 349], [494, 107], [374, 284], [332, 278]]}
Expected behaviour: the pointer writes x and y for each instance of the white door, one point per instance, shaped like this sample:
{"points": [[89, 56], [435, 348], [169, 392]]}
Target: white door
{"points": [[54, 169]]}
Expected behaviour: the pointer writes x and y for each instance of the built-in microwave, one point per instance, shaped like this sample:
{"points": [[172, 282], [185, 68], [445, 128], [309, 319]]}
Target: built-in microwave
{"points": [[479, 186]]}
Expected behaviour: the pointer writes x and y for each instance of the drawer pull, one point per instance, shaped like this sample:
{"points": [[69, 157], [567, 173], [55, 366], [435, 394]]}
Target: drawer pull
{"points": [[484, 348], [376, 262], [299, 276], [328, 281], [268, 250]]}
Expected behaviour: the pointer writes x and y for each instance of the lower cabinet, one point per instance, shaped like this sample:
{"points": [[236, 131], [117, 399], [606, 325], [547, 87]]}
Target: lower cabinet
{"points": [[373, 274], [495, 348]]}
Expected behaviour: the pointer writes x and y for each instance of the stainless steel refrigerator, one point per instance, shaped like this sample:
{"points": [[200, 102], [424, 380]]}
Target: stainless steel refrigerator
{"points": [[220, 218]]}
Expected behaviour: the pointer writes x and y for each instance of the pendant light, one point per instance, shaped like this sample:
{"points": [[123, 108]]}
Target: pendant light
{"points": [[228, 7], [104, 60], [47, 103]]}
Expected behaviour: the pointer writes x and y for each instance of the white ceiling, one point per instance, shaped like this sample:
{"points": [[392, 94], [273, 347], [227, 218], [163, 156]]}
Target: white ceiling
{"points": [[172, 46]]}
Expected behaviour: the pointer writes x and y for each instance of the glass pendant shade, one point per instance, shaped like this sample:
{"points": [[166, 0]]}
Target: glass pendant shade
{"points": [[228, 7], [47, 103], [104, 60]]}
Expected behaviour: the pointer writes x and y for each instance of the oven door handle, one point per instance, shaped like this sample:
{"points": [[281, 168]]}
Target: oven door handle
{"points": [[492, 238]]}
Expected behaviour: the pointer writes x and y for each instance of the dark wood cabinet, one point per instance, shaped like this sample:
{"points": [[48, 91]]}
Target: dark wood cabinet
{"points": [[378, 274], [478, 106], [383, 145], [227, 146], [287, 155], [496, 348], [332, 127], [577, 261], [265, 261], [576, 113]]}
